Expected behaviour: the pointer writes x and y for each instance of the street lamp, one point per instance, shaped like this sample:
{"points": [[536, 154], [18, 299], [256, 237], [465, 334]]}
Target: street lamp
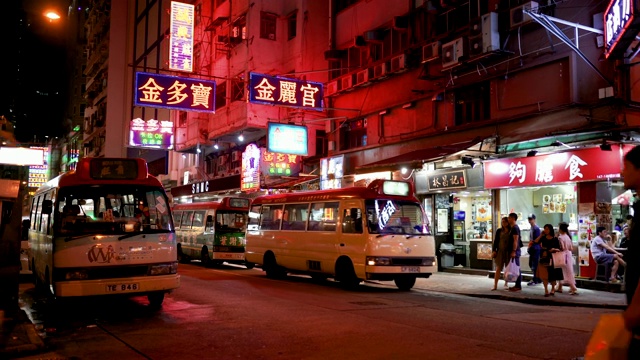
{"points": [[52, 15]]}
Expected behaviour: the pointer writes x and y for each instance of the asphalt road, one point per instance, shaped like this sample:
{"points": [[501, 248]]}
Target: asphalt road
{"points": [[230, 312]]}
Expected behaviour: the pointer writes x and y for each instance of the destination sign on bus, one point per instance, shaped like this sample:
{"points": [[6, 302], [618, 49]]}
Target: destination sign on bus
{"points": [[238, 203], [111, 169], [395, 188]]}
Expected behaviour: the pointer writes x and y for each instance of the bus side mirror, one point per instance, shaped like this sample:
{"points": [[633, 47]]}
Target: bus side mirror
{"points": [[47, 206]]}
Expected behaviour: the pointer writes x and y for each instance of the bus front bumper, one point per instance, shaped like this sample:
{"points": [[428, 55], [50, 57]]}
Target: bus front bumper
{"points": [[134, 285]]}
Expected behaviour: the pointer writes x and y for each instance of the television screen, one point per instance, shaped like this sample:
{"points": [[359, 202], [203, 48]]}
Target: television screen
{"points": [[458, 215]]}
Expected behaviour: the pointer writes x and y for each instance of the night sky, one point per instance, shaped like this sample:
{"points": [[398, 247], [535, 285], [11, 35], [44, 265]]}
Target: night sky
{"points": [[33, 68]]}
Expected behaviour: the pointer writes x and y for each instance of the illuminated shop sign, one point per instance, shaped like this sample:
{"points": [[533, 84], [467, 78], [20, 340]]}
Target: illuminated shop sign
{"points": [[250, 178], [620, 26], [38, 173], [21, 156], [331, 172], [181, 37], [152, 133], [449, 180], [278, 164], [272, 90], [571, 166], [287, 139], [173, 92]]}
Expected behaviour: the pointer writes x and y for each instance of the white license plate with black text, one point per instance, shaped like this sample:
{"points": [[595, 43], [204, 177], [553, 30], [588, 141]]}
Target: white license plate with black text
{"points": [[410, 269], [123, 287]]}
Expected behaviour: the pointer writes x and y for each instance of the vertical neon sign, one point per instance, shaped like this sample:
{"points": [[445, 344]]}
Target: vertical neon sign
{"points": [[181, 38]]}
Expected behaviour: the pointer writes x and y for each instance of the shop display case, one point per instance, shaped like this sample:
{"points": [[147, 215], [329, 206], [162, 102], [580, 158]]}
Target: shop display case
{"points": [[459, 237]]}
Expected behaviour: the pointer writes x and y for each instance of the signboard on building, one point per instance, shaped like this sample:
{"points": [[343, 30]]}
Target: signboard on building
{"points": [[250, 172], [449, 180], [39, 174], [173, 92], [9, 188], [570, 166], [287, 139], [331, 172], [274, 90], [621, 25], [278, 164], [154, 134], [21, 156], [181, 37]]}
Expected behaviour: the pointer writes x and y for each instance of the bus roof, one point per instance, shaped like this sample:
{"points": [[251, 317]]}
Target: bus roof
{"points": [[92, 171], [226, 203], [373, 191]]}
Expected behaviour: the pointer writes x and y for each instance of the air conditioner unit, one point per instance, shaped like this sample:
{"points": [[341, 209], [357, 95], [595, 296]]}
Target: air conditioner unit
{"points": [[475, 46], [373, 36], [452, 52], [362, 77], [331, 88], [398, 64], [346, 82], [400, 23], [490, 34], [380, 71], [475, 27], [518, 17], [431, 51]]}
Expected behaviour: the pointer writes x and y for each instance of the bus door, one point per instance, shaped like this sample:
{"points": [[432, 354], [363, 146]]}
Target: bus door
{"points": [[322, 242], [353, 239]]}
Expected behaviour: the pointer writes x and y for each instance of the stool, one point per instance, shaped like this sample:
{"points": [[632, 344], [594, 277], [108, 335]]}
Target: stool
{"points": [[603, 272]]}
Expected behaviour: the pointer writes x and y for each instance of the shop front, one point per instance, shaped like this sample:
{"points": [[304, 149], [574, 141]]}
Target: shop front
{"points": [[576, 186], [460, 212]]}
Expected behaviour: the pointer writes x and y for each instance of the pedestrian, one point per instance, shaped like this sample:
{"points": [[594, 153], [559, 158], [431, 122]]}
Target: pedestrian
{"points": [[567, 250], [533, 250], [624, 242], [549, 244], [631, 176], [515, 243], [500, 252], [603, 253]]}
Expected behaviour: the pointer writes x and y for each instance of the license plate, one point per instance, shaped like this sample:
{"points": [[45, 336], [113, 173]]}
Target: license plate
{"points": [[230, 256], [410, 269], [123, 287]]}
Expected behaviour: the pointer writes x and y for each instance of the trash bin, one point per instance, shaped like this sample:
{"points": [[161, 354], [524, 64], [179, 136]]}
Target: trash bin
{"points": [[447, 252]]}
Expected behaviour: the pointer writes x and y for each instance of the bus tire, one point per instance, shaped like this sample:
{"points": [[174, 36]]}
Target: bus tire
{"points": [[182, 258], [155, 299], [204, 256], [34, 274], [405, 283], [271, 267], [346, 274], [249, 265]]}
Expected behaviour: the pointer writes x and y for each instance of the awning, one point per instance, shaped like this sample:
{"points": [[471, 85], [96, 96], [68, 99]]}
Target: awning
{"points": [[415, 158]]}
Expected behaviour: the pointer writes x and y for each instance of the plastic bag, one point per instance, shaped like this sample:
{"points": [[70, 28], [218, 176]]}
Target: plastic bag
{"points": [[558, 259], [609, 340], [512, 271]]}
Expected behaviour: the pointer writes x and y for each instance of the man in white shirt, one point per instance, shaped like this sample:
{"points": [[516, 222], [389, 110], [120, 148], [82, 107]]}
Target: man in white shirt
{"points": [[603, 253]]}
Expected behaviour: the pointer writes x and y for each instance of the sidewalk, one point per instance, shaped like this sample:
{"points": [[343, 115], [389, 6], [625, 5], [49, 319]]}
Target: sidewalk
{"points": [[19, 337]]}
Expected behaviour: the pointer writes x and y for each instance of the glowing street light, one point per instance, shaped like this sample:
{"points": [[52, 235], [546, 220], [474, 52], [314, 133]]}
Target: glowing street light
{"points": [[52, 15]]}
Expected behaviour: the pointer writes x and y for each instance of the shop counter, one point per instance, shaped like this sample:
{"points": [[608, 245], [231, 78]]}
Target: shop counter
{"points": [[480, 254]]}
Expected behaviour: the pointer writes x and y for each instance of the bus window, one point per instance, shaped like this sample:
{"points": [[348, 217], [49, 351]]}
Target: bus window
{"points": [[352, 221], [198, 219], [177, 219], [387, 216], [254, 218], [271, 217], [295, 216], [323, 216], [187, 219]]}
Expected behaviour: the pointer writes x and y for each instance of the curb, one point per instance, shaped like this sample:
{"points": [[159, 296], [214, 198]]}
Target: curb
{"points": [[536, 301], [23, 337]]}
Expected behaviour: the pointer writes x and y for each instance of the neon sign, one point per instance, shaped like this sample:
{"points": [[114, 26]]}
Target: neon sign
{"points": [[38, 173], [250, 179], [278, 164], [152, 133], [173, 92], [619, 18], [287, 139], [181, 37], [272, 90]]}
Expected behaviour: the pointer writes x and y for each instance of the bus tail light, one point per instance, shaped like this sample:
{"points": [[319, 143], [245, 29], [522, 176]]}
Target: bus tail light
{"points": [[76, 275], [164, 269], [378, 261]]}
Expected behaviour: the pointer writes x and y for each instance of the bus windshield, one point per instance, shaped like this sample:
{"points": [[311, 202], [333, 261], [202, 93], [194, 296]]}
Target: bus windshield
{"points": [[231, 221], [394, 217], [111, 209]]}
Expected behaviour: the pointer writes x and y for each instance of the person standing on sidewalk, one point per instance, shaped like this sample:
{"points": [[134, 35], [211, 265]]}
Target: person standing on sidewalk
{"points": [[534, 250], [631, 176], [501, 251], [515, 244], [549, 244], [567, 250]]}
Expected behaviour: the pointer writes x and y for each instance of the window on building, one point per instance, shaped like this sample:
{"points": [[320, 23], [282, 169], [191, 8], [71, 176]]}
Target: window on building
{"points": [[353, 134], [472, 104], [292, 24], [321, 142], [268, 25], [221, 95], [238, 30], [237, 88]]}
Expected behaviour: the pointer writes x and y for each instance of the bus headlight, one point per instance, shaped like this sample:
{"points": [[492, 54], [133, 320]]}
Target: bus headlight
{"points": [[378, 261], [164, 269], [76, 275]]}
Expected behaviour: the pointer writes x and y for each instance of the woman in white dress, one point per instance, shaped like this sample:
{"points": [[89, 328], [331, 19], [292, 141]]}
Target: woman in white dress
{"points": [[567, 269]]}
